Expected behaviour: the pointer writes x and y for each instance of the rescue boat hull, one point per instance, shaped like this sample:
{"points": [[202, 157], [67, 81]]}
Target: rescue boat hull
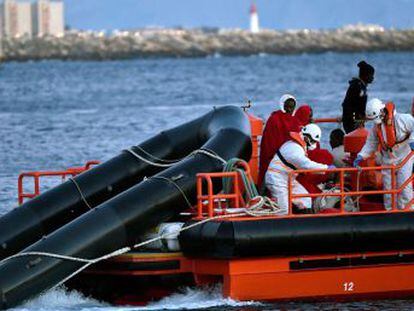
{"points": [[283, 279], [139, 278]]}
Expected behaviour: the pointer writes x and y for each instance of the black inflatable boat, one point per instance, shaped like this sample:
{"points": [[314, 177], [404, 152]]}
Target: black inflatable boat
{"points": [[123, 205]]}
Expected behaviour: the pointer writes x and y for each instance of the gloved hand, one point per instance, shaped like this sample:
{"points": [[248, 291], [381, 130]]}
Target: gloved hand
{"points": [[331, 166], [358, 160], [412, 145]]}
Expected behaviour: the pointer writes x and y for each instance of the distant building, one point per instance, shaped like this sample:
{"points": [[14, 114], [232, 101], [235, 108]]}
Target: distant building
{"points": [[16, 18], [48, 18], [1, 34], [22, 18], [254, 19]]}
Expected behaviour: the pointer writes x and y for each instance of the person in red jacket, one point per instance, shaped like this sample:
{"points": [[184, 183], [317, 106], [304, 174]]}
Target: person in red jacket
{"points": [[304, 115], [276, 132]]}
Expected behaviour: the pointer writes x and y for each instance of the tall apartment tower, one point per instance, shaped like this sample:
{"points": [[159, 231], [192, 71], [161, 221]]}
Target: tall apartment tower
{"points": [[1, 33], [48, 18], [16, 18], [254, 19]]}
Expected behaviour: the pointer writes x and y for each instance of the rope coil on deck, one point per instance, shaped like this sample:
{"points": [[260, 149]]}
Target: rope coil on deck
{"points": [[257, 205]]}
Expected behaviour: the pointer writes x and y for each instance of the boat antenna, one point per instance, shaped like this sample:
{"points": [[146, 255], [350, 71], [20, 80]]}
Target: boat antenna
{"points": [[247, 106]]}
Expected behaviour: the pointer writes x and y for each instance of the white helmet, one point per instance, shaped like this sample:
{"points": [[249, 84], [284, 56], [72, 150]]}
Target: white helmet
{"points": [[283, 100], [374, 109], [314, 132]]}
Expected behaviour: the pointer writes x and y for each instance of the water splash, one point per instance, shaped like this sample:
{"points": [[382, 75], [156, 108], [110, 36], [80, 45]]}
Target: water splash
{"points": [[61, 300], [204, 298], [187, 299]]}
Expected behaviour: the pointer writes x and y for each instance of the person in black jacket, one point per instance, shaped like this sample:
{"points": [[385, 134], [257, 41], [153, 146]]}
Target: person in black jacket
{"points": [[353, 106]]}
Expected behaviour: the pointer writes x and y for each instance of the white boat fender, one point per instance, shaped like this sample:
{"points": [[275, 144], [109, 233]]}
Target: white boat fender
{"points": [[169, 231]]}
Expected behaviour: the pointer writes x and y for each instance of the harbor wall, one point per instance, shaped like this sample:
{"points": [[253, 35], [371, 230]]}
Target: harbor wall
{"points": [[201, 43]]}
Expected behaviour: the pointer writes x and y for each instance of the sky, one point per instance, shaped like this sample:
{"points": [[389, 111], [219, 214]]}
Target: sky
{"points": [[274, 14]]}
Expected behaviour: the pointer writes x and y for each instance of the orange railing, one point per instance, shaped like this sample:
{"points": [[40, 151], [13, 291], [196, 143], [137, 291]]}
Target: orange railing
{"points": [[394, 191], [328, 120], [207, 202], [210, 204], [70, 172]]}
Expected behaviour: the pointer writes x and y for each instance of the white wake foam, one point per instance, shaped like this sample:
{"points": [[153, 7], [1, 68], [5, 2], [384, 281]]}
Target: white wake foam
{"points": [[60, 300], [196, 299], [188, 298]]}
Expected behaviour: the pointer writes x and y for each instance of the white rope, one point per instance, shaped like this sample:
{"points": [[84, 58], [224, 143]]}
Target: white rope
{"points": [[89, 262], [209, 153], [263, 207], [199, 151], [122, 250], [252, 211], [80, 192], [156, 158], [169, 180], [148, 161], [56, 256]]}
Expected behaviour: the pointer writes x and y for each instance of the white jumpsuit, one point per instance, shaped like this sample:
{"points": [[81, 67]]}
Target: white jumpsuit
{"points": [[276, 177], [404, 126]]}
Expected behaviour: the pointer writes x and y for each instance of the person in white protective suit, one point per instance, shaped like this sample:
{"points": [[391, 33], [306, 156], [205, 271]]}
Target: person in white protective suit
{"points": [[391, 132], [291, 156]]}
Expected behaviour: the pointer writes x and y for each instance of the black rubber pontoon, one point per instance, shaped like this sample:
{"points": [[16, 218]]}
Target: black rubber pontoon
{"points": [[44, 214], [299, 236], [121, 220]]}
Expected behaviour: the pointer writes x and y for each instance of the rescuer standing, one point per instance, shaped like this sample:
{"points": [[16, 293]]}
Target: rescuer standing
{"points": [[391, 132], [354, 104]]}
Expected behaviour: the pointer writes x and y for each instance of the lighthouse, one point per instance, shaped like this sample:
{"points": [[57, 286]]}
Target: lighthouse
{"points": [[254, 19]]}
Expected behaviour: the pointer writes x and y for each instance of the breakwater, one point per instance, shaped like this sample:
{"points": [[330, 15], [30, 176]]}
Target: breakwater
{"points": [[78, 45]]}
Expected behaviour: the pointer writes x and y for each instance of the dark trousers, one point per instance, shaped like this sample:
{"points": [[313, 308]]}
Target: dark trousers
{"points": [[348, 124]]}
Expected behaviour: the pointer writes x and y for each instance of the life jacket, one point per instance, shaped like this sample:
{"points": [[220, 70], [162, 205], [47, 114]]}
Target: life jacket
{"points": [[297, 138], [390, 140]]}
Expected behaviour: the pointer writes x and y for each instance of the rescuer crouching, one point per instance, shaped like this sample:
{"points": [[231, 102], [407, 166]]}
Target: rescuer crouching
{"points": [[292, 155]]}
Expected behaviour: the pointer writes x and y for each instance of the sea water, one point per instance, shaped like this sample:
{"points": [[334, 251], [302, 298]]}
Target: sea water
{"points": [[55, 114]]}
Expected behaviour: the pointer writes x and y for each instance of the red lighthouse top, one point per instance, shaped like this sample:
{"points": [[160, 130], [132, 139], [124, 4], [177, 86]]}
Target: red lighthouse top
{"points": [[253, 8]]}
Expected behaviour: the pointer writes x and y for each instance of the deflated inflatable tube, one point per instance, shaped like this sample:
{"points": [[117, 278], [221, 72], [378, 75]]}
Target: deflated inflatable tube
{"points": [[44, 214], [121, 220], [299, 236]]}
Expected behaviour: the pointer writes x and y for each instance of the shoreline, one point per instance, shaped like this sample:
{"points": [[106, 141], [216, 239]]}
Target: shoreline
{"points": [[179, 43]]}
